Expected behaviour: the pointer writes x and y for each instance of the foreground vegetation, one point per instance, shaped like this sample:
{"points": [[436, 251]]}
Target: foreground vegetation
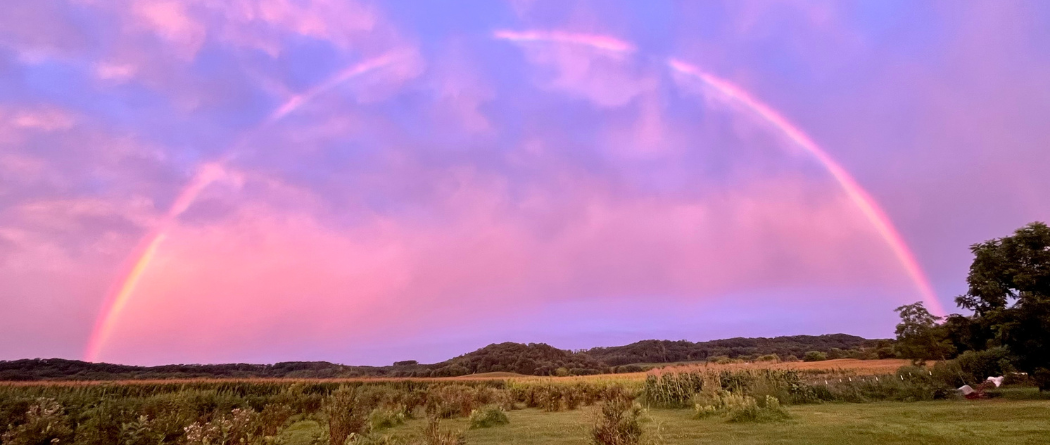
{"points": [[943, 422], [670, 405]]}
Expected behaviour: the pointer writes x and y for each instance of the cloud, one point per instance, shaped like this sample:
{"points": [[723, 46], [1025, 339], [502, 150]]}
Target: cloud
{"points": [[348, 179], [594, 67], [43, 120], [115, 71], [481, 252], [171, 20]]}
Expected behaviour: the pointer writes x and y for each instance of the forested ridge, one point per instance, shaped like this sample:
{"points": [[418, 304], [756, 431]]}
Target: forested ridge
{"points": [[528, 359], [665, 351]]}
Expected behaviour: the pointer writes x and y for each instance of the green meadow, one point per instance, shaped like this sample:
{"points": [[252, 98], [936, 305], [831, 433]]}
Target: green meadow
{"points": [[733, 403], [934, 422]]}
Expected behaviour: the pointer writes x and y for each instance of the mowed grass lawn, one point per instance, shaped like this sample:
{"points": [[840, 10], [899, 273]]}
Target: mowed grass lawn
{"points": [[941, 422]]}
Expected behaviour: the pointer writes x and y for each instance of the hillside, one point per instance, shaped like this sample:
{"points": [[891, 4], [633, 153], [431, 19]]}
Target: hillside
{"points": [[62, 369], [665, 351], [528, 359]]}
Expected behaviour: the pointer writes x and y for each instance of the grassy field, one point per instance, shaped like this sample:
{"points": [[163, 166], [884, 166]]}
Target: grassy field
{"points": [[940, 422], [836, 401], [827, 367]]}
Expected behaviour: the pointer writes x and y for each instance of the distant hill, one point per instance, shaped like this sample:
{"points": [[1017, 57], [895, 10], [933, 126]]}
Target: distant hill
{"points": [[530, 359], [665, 351], [527, 359], [62, 369]]}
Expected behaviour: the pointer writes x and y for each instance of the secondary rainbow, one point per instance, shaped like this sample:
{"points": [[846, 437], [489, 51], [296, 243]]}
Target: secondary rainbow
{"points": [[124, 287]]}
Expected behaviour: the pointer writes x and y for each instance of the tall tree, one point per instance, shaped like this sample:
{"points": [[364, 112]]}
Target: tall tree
{"points": [[918, 336], [1009, 291]]}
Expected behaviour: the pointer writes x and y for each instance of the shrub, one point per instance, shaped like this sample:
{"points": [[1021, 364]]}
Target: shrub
{"points": [[240, 427], [979, 365], [617, 423], [434, 435], [382, 418], [739, 408], [375, 440], [102, 425], [447, 401], [672, 389], [488, 416], [1042, 378], [344, 416], [45, 423], [273, 418], [141, 431], [814, 356]]}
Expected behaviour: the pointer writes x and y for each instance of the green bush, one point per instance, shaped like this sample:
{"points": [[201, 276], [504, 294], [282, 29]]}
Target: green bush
{"points": [[979, 365], [1041, 378], [434, 435], [488, 416], [45, 423], [447, 401], [382, 418], [814, 356], [617, 423], [739, 408], [344, 416], [241, 426]]}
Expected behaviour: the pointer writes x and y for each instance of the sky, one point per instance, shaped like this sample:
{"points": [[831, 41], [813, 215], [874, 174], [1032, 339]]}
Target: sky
{"points": [[204, 181]]}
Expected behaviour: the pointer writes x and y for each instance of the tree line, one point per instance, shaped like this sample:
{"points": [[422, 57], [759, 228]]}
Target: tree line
{"points": [[1008, 295], [529, 359]]}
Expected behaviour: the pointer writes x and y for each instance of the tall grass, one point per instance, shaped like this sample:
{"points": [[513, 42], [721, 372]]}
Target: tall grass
{"points": [[151, 413], [617, 422], [676, 388]]}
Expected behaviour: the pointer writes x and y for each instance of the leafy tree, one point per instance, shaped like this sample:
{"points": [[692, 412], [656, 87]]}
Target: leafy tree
{"points": [[918, 336], [966, 333], [814, 356], [1009, 292]]}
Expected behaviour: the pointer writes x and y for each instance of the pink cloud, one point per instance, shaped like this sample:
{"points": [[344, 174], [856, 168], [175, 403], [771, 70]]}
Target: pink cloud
{"points": [[595, 67], [482, 254], [115, 72], [260, 24], [44, 120], [171, 20], [461, 90], [158, 39]]}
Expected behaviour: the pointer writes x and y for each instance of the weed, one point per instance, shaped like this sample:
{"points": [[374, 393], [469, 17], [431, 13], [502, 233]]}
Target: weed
{"points": [[434, 435], [382, 418], [617, 423], [488, 416]]}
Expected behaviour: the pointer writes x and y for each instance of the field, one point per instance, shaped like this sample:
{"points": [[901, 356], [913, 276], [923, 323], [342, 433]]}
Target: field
{"points": [[840, 367], [940, 422], [838, 401]]}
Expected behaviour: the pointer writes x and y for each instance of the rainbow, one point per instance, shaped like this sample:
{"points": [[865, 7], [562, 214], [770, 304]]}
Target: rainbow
{"points": [[867, 205], [123, 289], [736, 95], [121, 293], [590, 40]]}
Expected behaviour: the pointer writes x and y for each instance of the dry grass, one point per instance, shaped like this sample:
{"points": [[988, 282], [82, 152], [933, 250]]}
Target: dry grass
{"points": [[852, 367], [842, 367]]}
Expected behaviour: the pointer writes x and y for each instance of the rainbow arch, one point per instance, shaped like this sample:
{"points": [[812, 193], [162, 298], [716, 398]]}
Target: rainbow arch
{"points": [[122, 290], [860, 197], [124, 287]]}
